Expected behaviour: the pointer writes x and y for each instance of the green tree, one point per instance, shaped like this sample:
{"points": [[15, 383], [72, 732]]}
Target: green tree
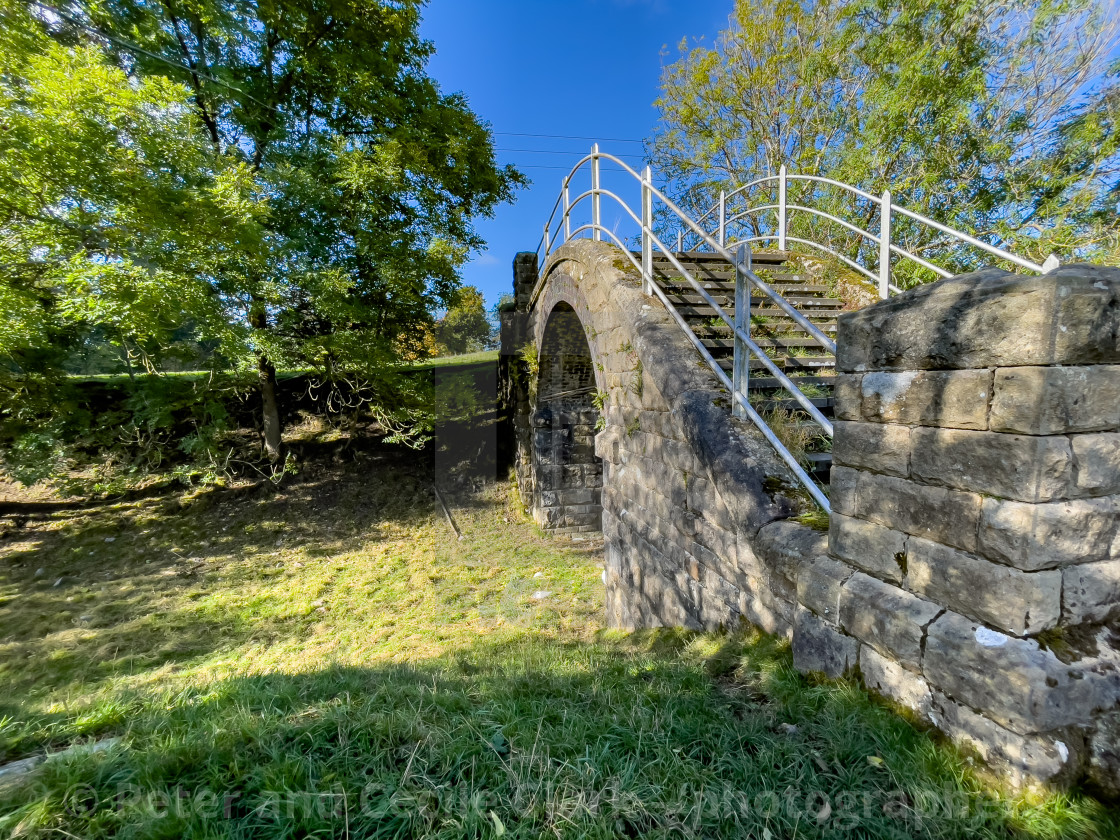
{"points": [[465, 327], [278, 182], [993, 118], [374, 176], [114, 215]]}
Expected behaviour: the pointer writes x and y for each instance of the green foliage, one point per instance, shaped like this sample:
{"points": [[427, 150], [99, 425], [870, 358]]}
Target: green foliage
{"points": [[531, 364], [33, 457], [457, 397], [464, 329], [997, 119], [249, 185], [114, 213]]}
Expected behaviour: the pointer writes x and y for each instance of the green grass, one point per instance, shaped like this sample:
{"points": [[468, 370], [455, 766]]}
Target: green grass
{"points": [[483, 356], [328, 661], [466, 359]]}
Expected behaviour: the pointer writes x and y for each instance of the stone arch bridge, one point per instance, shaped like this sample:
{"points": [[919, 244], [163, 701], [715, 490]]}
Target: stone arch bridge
{"points": [[975, 492]]}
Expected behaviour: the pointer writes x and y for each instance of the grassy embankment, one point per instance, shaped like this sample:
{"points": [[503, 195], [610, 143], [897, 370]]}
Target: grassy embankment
{"points": [[327, 661]]}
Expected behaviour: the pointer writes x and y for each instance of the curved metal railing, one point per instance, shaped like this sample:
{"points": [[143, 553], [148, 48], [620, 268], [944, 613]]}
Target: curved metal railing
{"points": [[559, 230], [882, 241]]}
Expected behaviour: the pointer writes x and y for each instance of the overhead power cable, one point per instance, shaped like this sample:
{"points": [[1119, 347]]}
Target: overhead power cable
{"points": [[135, 48], [567, 137], [555, 152]]}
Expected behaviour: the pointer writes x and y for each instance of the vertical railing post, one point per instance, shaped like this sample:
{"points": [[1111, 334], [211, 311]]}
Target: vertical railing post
{"points": [[885, 246], [596, 233], [722, 218], [547, 243], [567, 207], [741, 362], [680, 241], [647, 231], [782, 208]]}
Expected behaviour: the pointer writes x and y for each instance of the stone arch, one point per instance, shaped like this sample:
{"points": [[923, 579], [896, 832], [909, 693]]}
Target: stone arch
{"points": [[687, 492], [569, 475]]}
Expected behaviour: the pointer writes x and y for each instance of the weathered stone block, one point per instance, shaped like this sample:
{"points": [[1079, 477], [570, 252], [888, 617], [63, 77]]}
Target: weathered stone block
{"points": [[1046, 536], [988, 319], [1104, 755], [767, 611], [1030, 469], [953, 399], [936, 513], [1016, 602], [1091, 592], [819, 647], [819, 582], [873, 548], [1096, 464], [847, 396], [886, 677], [1056, 400], [1012, 681], [877, 447], [784, 544], [885, 617], [1021, 760]]}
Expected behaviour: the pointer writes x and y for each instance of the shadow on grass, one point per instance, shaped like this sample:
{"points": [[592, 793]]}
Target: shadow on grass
{"points": [[653, 735], [138, 586]]}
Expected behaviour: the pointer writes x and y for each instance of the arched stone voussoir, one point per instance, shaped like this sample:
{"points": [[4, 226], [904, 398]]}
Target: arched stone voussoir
{"points": [[686, 487]]}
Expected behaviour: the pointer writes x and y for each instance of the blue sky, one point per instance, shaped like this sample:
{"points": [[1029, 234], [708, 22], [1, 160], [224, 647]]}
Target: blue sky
{"points": [[577, 68]]}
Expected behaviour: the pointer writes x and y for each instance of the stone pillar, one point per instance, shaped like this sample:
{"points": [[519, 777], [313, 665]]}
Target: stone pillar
{"points": [[514, 446], [974, 570]]}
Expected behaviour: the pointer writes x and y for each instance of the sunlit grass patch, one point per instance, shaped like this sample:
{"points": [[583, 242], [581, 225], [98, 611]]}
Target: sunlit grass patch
{"points": [[329, 661]]}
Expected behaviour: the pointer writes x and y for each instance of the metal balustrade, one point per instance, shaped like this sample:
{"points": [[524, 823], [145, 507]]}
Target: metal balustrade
{"points": [[558, 230], [882, 241]]}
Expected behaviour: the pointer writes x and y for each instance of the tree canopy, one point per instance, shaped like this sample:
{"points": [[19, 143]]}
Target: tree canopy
{"points": [[283, 176], [994, 118]]}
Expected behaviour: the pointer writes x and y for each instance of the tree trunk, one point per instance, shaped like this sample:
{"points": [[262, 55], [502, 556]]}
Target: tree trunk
{"points": [[270, 404], [270, 411]]}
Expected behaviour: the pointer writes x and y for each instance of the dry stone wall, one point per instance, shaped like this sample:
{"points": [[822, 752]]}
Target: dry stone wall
{"points": [[972, 568]]}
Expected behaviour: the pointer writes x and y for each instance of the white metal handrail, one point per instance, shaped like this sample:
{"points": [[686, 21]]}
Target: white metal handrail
{"points": [[885, 247], [739, 322]]}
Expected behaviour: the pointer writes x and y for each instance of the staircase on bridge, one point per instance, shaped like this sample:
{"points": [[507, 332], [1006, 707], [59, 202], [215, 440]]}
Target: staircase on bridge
{"points": [[795, 352]]}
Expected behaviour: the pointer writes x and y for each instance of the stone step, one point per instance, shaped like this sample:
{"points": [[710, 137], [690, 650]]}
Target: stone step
{"points": [[764, 257], [788, 364], [816, 304], [769, 383], [825, 404], [667, 271], [728, 287], [765, 343], [772, 313]]}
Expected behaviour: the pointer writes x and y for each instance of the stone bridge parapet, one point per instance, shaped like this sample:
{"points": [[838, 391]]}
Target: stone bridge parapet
{"points": [[972, 568]]}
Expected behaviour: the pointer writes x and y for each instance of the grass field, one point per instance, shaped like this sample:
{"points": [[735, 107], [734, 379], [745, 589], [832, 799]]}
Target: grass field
{"points": [[464, 359], [328, 661]]}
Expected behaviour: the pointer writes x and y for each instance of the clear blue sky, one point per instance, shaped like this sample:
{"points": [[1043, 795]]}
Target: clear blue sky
{"points": [[583, 68]]}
